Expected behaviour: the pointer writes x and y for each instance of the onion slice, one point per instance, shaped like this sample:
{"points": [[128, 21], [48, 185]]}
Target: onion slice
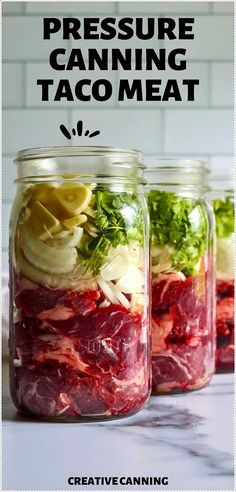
{"points": [[108, 292], [66, 239], [114, 269], [132, 281]]}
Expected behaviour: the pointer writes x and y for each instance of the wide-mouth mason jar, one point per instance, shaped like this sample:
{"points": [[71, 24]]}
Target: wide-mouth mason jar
{"points": [[79, 328], [222, 196], [182, 276]]}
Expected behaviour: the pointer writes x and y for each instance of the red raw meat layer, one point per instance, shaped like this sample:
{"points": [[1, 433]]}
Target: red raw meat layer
{"points": [[74, 358], [182, 333], [225, 325]]}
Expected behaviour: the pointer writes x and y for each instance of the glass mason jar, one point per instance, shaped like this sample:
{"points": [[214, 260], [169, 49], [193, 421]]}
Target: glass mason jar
{"points": [[182, 266], [79, 330], [223, 205]]}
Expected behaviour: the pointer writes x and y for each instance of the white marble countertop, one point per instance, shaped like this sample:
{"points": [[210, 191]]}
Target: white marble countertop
{"points": [[188, 438]]}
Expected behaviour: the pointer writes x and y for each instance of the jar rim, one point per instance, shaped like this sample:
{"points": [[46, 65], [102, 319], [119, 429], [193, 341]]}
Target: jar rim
{"points": [[173, 172], [84, 161], [218, 178], [222, 183], [80, 151], [178, 164]]}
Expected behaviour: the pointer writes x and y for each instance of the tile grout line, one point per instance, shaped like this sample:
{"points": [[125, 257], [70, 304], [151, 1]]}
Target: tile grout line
{"points": [[127, 107], [121, 14]]}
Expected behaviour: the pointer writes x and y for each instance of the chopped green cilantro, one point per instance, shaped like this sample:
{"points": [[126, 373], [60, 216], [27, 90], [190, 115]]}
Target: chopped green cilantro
{"points": [[118, 219], [224, 215], [180, 223]]}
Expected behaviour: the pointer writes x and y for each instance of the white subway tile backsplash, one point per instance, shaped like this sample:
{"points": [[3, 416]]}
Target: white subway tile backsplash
{"points": [[12, 8], [207, 131], [23, 39], [28, 128], [223, 7], [37, 71], [194, 7], [12, 84], [201, 129], [196, 71], [163, 7], [34, 48], [213, 39], [8, 177], [222, 91], [222, 164], [67, 8], [122, 128], [6, 209]]}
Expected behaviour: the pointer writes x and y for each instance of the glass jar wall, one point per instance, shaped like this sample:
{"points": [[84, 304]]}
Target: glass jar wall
{"points": [[223, 204], [182, 276], [79, 331]]}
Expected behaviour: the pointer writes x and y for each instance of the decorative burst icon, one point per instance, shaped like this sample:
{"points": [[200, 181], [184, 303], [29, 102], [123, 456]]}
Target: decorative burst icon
{"points": [[79, 131]]}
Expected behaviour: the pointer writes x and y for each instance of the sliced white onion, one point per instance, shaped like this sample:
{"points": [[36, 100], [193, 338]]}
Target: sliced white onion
{"points": [[17, 363], [225, 257], [114, 269], [135, 253], [162, 251], [47, 258], [92, 230], [112, 294], [118, 251], [137, 302], [132, 281], [104, 303], [108, 292], [67, 240], [181, 275], [131, 253], [62, 235], [162, 267], [123, 300]]}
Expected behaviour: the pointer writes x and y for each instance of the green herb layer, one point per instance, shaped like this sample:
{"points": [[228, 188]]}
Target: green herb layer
{"points": [[224, 215], [181, 224], [119, 220]]}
